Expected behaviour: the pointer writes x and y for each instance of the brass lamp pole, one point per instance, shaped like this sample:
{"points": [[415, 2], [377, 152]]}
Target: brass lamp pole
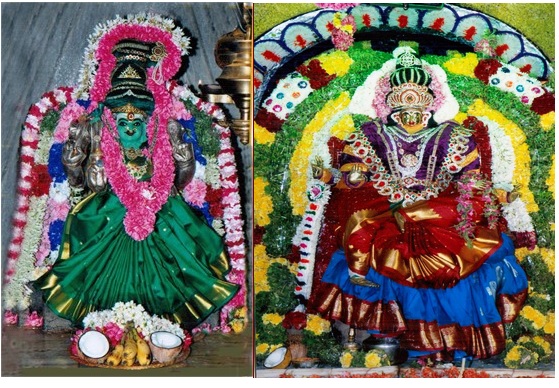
{"points": [[233, 54]]}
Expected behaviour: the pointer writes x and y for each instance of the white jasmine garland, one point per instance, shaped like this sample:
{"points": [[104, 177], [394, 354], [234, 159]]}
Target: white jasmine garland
{"points": [[502, 156], [517, 216]]}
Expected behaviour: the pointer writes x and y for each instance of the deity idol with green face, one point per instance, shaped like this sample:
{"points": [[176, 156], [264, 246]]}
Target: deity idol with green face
{"points": [[133, 237]]}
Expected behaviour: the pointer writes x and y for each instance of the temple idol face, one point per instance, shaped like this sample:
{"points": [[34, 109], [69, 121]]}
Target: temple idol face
{"points": [[131, 129]]}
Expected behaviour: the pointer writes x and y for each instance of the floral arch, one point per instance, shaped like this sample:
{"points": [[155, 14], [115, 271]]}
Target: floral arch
{"points": [[307, 70]]}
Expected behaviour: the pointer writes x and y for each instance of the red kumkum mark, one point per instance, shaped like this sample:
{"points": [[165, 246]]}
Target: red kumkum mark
{"points": [[469, 33], [402, 21], [270, 56], [313, 206], [300, 41], [367, 20], [329, 26], [500, 50], [526, 68], [438, 24]]}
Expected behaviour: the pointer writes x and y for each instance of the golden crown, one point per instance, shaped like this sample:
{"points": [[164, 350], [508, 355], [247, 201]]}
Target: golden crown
{"points": [[409, 95]]}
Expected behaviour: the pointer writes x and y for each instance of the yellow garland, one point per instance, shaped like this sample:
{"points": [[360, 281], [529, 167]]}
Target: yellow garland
{"points": [[262, 135], [521, 178], [462, 65], [345, 359], [299, 163], [261, 264], [549, 327], [547, 121], [537, 319], [317, 325], [343, 127], [550, 181], [265, 204], [272, 319], [372, 360], [336, 62]]}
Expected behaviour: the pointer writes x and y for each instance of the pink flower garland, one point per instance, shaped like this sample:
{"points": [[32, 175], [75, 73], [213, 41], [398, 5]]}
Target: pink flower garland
{"points": [[142, 199], [170, 65]]}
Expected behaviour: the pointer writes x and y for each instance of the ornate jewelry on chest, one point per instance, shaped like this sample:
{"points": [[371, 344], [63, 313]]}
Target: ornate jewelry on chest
{"points": [[390, 183], [405, 152]]}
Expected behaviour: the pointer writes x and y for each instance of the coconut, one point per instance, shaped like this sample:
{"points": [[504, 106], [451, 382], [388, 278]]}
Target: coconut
{"points": [[278, 359], [93, 346], [165, 346]]}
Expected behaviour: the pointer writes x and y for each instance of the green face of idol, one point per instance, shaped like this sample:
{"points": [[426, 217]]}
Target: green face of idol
{"points": [[132, 129]]}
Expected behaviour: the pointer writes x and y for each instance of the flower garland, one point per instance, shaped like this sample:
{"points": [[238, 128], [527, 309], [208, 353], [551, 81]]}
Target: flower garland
{"points": [[142, 199], [230, 201], [27, 220], [149, 27]]}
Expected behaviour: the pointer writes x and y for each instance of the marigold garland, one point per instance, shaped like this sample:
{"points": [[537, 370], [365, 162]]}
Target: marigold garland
{"points": [[299, 164]]}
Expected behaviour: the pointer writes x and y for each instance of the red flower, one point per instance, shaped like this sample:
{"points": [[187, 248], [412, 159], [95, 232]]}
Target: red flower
{"points": [[40, 180], [318, 77], [295, 320], [544, 103], [486, 68], [268, 120]]}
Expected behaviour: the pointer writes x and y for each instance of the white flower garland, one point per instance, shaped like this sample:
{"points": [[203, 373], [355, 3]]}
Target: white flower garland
{"points": [[502, 155], [517, 216], [124, 313]]}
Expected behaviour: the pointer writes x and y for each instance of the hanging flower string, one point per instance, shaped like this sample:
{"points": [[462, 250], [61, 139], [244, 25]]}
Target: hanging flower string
{"points": [[142, 199]]}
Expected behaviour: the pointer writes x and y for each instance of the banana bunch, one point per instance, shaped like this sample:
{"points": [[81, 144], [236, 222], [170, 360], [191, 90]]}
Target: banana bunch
{"points": [[131, 349]]}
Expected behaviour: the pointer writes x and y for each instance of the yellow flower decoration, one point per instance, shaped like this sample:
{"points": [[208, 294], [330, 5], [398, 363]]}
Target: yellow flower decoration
{"points": [[238, 326], [462, 65], [549, 327], [336, 62], [548, 256], [550, 181], [372, 360], [264, 206], [317, 325], [272, 319], [521, 178], [262, 135], [513, 355], [262, 349], [537, 319], [547, 121], [546, 346], [345, 359], [261, 265], [337, 20], [299, 164], [343, 127]]}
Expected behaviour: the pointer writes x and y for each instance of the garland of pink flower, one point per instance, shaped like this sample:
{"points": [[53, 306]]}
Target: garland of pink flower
{"points": [[136, 196]]}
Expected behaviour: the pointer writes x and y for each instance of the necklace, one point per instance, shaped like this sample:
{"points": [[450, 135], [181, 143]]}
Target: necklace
{"points": [[391, 185], [409, 162]]}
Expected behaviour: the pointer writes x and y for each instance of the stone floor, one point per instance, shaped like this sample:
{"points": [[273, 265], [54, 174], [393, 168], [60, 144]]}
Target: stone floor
{"points": [[37, 353]]}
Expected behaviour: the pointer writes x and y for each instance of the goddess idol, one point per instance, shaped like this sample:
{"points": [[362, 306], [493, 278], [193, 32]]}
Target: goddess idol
{"points": [[128, 149], [421, 254]]}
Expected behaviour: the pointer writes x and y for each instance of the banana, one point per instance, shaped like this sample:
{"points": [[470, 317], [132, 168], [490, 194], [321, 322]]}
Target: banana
{"points": [[130, 347], [143, 356], [115, 357], [128, 361]]}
